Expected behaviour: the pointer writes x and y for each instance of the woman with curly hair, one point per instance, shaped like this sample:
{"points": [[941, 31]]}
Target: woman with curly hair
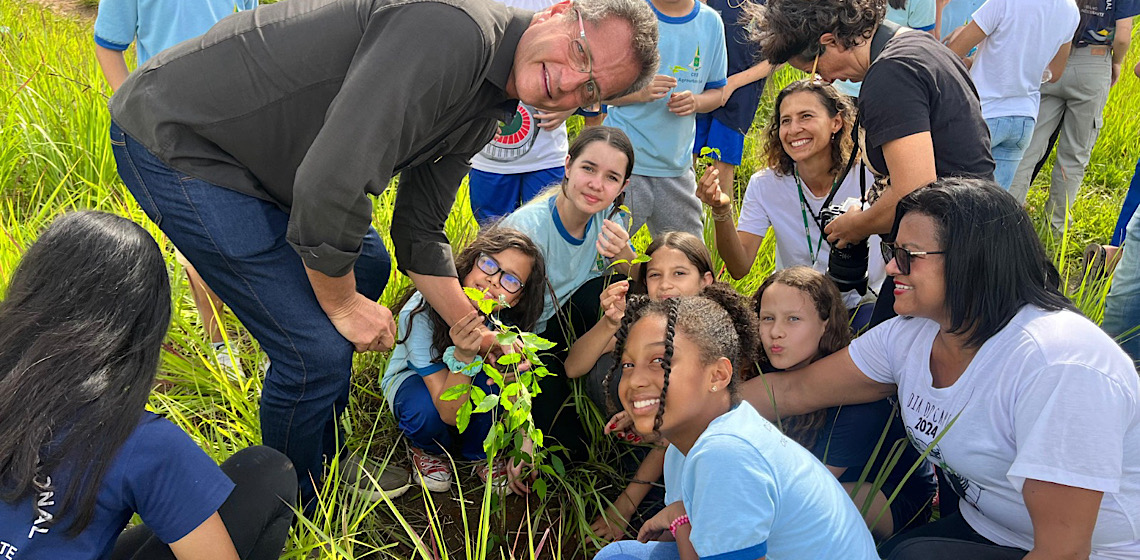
{"points": [[919, 113], [808, 143]]}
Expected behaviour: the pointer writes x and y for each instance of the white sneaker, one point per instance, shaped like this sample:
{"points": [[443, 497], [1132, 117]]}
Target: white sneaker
{"points": [[226, 361]]}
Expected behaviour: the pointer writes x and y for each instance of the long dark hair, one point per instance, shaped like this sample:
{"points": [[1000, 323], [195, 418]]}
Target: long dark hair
{"points": [[83, 321], [789, 28], [491, 240], [834, 102], [995, 263], [720, 322], [829, 305]]}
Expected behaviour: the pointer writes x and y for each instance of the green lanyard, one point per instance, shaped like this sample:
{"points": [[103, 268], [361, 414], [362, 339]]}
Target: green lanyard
{"points": [[804, 210]]}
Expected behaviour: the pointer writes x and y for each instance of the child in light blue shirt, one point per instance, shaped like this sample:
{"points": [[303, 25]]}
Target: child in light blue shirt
{"points": [[740, 488], [661, 119]]}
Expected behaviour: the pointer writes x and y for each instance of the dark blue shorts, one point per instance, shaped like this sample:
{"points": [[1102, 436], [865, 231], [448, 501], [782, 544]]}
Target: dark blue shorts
{"points": [[714, 134]]}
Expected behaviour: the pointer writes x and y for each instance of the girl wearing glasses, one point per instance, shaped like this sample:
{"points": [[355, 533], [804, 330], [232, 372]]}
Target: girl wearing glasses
{"points": [[1029, 408], [431, 357], [802, 319], [808, 142]]}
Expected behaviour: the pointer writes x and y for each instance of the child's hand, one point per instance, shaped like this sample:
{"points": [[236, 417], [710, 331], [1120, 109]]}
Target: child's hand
{"points": [[612, 240], [658, 87], [682, 103], [466, 335], [519, 484], [613, 302], [709, 191], [657, 528], [621, 426], [549, 121], [612, 523]]}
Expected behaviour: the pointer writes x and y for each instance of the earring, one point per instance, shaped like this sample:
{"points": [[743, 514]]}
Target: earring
{"points": [[714, 388]]}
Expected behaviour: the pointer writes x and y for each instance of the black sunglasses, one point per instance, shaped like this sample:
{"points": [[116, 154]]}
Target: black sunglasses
{"points": [[902, 257]]}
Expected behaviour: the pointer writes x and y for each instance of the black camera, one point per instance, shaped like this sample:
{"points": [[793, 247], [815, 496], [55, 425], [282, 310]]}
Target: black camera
{"points": [[847, 267]]}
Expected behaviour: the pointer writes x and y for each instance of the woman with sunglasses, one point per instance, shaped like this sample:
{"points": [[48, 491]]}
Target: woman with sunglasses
{"points": [[918, 110], [1029, 408], [430, 357]]}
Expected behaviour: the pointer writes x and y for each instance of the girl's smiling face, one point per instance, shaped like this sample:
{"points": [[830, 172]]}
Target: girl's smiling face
{"points": [[790, 326], [669, 273], [596, 177], [510, 261], [687, 406]]}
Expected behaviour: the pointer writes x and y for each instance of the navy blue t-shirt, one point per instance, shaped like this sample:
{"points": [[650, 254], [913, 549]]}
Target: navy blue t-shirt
{"points": [[849, 437], [740, 110], [1098, 20], [159, 472]]}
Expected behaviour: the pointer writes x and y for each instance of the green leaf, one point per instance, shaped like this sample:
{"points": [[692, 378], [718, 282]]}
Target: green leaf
{"points": [[540, 488], [641, 259], [493, 374], [487, 403], [455, 392], [510, 390], [556, 462], [475, 294], [464, 417], [546, 469], [509, 359], [487, 306], [531, 339], [477, 394], [506, 338], [624, 208]]}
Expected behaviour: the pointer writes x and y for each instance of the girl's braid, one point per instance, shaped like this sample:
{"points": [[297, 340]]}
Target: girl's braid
{"points": [[633, 306], [666, 360]]}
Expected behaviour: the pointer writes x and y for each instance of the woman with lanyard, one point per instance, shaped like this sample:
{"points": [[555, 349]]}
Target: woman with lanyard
{"points": [[919, 112], [808, 151]]}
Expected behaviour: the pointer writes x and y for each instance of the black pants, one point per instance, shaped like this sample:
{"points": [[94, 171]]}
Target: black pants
{"points": [[949, 538], [257, 514], [553, 410]]}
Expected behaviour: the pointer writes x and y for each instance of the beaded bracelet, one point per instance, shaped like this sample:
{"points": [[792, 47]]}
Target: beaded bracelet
{"points": [[676, 524], [722, 216], [468, 369]]}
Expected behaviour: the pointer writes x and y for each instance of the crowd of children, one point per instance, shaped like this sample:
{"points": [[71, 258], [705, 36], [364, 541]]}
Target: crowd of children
{"points": [[791, 422]]}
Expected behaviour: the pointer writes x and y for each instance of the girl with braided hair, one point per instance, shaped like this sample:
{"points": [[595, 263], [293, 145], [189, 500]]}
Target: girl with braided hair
{"points": [[736, 486], [802, 319]]}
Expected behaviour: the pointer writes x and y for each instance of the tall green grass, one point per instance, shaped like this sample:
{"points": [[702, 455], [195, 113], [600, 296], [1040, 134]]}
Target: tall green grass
{"points": [[54, 157]]}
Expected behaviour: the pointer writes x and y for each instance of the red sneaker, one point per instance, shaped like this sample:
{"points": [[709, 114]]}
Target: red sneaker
{"points": [[433, 472]]}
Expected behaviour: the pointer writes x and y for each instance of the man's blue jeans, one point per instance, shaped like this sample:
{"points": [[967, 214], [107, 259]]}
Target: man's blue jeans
{"points": [[1009, 137], [237, 243], [1122, 306]]}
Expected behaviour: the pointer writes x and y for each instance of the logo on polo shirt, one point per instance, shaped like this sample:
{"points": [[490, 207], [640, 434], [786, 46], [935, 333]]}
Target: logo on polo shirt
{"points": [[515, 138]]}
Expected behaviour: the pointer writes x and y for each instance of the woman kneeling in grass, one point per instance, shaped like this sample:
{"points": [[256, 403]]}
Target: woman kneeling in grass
{"points": [[430, 357], [1029, 407], [802, 319], [83, 321], [737, 487]]}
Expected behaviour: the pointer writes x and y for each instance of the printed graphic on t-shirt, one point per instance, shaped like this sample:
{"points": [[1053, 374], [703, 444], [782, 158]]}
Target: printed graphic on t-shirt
{"points": [[514, 139], [690, 74], [44, 502], [923, 425]]}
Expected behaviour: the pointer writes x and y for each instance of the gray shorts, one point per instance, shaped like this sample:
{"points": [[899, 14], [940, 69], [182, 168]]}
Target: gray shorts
{"points": [[665, 203]]}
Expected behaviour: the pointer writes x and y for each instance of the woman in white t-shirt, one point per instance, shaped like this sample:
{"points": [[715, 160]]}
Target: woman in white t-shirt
{"points": [[808, 144], [1030, 409]]}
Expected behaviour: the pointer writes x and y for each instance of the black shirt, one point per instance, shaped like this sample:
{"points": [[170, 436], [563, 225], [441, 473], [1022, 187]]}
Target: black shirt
{"points": [[917, 85], [315, 104]]}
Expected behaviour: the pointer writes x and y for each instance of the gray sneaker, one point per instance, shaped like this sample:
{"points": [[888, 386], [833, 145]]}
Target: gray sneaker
{"points": [[373, 479]]}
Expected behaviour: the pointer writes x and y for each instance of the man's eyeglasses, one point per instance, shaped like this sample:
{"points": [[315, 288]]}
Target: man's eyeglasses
{"points": [[584, 63], [903, 257], [490, 267]]}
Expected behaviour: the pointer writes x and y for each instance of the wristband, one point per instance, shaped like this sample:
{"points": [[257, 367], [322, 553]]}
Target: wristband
{"points": [[676, 524], [724, 216], [456, 366]]}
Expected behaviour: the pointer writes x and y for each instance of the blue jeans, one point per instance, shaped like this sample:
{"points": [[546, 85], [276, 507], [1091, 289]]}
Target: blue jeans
{"points": [[1122, 306], [237, 243], [419, 420], [1131, 201], [1009, 137], [494, 195]]}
